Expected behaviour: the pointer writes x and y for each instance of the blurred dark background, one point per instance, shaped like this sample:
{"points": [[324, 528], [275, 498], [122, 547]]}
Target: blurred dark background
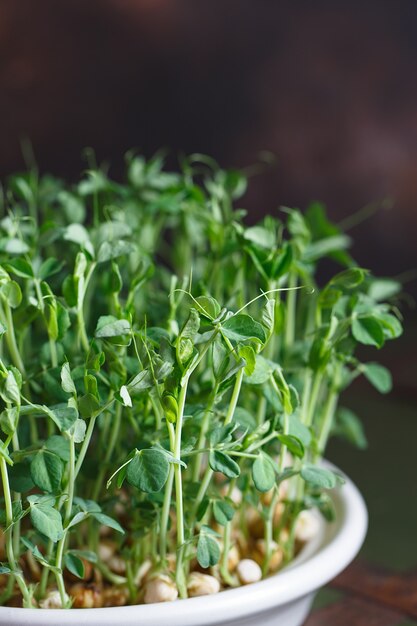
{"points": [[329, 88]]}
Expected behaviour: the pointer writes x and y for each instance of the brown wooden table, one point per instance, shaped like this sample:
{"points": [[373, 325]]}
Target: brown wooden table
{"points": [[365, 595]]}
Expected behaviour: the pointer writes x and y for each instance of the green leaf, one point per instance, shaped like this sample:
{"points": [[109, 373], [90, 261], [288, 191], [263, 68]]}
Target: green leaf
{"points": [[77, 430], [110, 326], [260, 236], [67, 383], [263, 472], [202, 509], [50, 267], [72, 205], [349, 426], [221, 434], [282, 263], [141, 381], [184, 344], [268, 316], [69, 289], [8, 420], [208, 549], [64, 416], [88, 506], [79, 517], [349, 279], [13, 294], [59, 445], [34, 550], [243, 327], [297, 429], [87, 555], [74, 565], [79, 235], [105, 520], [113, 249], [51, 321], [320, 352], [47, 520], [297, 225], [391, 325], [91, 385], [223, 512], [245, 419], [221, 462], [323, 247], [4, 569], [148, 470], [368, 330], [261, 373], [14, 246], [378, 376], [319, 477], [208, 306], [293, 445], [20, 477], [383, 288], [63, 320], [88, 405], [46, 471], [17, 514], [115, 283], [20, 267], [11, 389], [248, 354]]}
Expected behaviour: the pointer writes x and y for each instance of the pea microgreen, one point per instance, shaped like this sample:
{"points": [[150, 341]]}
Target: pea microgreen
{"points": [[157, 357]]}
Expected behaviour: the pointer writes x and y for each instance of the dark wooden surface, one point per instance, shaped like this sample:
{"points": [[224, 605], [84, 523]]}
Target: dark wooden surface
{"points": [[365, 595]]}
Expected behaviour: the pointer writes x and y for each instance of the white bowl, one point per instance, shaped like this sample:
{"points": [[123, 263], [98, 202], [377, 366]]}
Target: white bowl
{"points": [[284, 598]]}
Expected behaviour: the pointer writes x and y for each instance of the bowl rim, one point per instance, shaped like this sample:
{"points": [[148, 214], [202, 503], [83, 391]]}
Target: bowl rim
{"points": [[337, 545]]}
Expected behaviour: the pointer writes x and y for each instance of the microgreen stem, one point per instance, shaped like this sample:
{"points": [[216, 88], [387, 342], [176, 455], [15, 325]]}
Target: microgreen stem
{"points": [[116, 579], [11, 339], [269, 522], [80, 310], [329, 411], [109, 451], [67, 518], [203, 432], [88, 435], [180, 577], [227, 533], [313, 397], [205, 483], [85, 444], [16, 356], [291, 311], [167, 499], [235, 397], [27, 596]]}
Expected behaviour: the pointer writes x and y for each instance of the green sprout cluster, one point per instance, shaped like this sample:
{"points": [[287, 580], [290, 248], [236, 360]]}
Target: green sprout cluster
{"points": [[157, 353]]}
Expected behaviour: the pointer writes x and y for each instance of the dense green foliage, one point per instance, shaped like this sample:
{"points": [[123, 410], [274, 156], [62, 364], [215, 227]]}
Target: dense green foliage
{"points": [[156, 352]]}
